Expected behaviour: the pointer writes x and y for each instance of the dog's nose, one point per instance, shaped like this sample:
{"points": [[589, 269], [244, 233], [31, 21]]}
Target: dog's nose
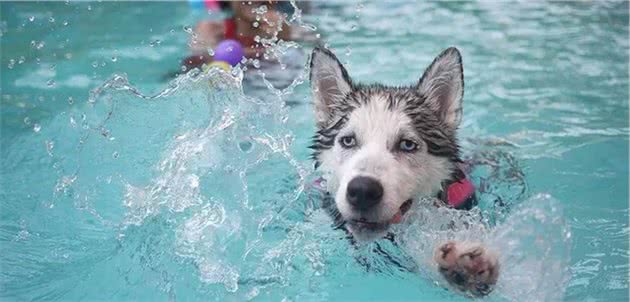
{"points": [[364, 192]]}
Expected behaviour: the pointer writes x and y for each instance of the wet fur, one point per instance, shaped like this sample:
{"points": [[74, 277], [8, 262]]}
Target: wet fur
{"points": [[379, 118]]}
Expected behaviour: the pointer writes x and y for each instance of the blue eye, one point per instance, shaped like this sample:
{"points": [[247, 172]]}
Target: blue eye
{"points": [[348, 141], [407, 145]]}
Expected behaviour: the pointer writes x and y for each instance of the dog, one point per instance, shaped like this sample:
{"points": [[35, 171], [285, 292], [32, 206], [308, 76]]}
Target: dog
{"points": [[380, 147]]}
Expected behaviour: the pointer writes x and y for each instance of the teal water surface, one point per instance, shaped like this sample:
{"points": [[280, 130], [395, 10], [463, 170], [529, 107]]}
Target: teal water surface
{"points": [[119, 183]]}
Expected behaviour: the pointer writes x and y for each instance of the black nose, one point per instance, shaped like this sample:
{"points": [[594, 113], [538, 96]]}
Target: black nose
{"points": [[364, 192]]}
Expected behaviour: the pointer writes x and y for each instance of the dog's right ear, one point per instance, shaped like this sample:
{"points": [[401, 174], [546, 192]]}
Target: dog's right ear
{"points": [[330, 83]]}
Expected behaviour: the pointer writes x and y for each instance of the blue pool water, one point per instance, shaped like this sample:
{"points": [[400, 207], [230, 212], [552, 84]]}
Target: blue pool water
{"points": [[118, 184]]}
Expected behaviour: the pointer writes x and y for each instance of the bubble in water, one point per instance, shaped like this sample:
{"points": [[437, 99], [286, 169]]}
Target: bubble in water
{"points": [[11, 64], [31, 18], [37, 128], [256, 63], [68, 55], [245, 146], [27, 120], [155, 43], [51, 20], [188, 29], [70, 100], [65, 23], [50, 83], [114, 58], [37, 44], [89, 7], [255, 24], [95, 64], [115, 155], [50, 145], [21, 60], [348, 51]]}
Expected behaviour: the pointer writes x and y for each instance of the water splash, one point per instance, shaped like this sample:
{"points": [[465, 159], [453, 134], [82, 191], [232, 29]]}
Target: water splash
{"points": [[533, 245]]}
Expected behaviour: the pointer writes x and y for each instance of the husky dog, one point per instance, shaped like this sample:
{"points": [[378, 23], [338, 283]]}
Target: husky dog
{"points": [[380, 147]]}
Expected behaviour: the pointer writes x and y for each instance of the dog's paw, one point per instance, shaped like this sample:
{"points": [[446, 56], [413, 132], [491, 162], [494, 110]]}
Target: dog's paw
{"points": [[469, 266]]}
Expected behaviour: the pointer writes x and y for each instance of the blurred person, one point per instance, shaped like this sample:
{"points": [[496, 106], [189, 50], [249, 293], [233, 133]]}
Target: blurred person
{"points": [[254, 25]]}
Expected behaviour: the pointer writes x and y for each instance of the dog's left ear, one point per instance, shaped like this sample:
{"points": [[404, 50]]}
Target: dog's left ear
{"points": [[330, 83], [442, 85]]}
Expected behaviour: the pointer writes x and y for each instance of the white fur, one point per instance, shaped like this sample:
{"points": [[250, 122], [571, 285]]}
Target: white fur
{"points": [[403, 175]]}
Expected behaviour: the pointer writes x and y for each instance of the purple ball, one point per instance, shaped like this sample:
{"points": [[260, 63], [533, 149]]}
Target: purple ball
{"points": [[229, 51]]}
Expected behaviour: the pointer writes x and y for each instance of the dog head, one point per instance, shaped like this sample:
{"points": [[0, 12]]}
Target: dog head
{"points": [[380, 147]]}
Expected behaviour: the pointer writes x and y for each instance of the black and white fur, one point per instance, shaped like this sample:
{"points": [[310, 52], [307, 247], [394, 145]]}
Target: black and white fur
{"points": [[381, 147]]}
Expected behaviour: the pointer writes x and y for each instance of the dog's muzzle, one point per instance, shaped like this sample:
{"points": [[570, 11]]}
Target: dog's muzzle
{"points": [[364, 193]]}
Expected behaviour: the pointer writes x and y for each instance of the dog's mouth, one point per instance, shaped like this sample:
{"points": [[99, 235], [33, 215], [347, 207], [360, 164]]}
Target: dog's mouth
{"points": [[374, 225]]}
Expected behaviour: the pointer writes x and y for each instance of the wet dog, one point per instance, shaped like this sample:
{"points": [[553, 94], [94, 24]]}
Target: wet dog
{"points": [[380, 147]]}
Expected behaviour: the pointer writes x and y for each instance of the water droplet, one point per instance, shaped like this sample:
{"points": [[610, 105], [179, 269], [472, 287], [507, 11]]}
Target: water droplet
{"points": [[50, 83], [37, 44], [31, 18], [37, 127], [50, 145]]}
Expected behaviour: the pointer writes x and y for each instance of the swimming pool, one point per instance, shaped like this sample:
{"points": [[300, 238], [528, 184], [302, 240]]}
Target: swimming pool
{"points": [[202, 193]]}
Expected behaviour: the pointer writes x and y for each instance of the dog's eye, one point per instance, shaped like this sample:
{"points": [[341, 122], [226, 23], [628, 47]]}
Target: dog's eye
{"points": [[407, 145], [348, 141]]}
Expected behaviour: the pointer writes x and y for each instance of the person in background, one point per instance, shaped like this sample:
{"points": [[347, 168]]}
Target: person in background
{"points": [[252, 24]]}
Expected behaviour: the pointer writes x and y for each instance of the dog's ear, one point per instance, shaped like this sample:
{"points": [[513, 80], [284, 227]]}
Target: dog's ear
{"points": [[330, 83], [442, 85]]}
